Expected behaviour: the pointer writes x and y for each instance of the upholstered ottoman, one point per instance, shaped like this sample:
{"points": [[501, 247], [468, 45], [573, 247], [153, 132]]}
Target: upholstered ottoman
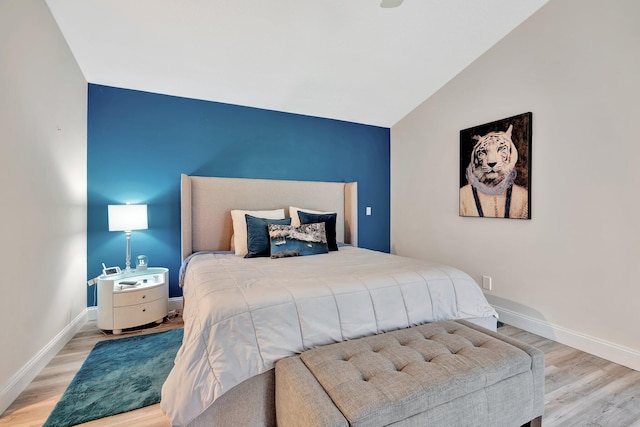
{"points": [[437, 374]]}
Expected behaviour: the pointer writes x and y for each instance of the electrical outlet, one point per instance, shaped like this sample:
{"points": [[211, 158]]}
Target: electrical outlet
{"points": [[486, 283], [368, 210]]}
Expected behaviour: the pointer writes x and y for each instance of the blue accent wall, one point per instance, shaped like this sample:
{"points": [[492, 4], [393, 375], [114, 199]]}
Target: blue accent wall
{"points": [[139, 143]]}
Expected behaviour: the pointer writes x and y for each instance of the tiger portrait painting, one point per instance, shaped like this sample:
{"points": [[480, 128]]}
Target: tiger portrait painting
{"points": [[495, 169]]}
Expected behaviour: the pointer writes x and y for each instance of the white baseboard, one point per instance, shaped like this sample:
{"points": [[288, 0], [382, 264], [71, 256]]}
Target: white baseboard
{"points": [[92, 313], [175, 303], [605, 349], [16, 385]]}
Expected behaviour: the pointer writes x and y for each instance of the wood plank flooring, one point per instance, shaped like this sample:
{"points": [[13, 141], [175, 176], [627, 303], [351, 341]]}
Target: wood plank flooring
{"points": [[580, 389], [35, 403], [584, 390]]}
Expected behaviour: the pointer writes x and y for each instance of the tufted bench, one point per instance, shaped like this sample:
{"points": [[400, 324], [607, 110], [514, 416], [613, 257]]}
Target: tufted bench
{"points": [[450, 373]]}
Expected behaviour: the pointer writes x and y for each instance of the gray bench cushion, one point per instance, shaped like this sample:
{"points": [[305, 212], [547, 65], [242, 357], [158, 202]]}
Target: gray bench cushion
{"points": [[386, 378]]}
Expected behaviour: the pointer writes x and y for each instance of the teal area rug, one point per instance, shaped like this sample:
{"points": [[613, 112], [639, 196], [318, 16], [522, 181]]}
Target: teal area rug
{"points": [[119, 375]]}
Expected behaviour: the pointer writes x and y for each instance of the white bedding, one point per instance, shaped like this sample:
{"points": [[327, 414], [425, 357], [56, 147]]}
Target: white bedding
{"points": [[242, 315]]}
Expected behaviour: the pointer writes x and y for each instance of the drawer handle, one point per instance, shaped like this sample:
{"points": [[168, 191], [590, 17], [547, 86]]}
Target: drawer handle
{"points": [[144, 309], [144, 296]]}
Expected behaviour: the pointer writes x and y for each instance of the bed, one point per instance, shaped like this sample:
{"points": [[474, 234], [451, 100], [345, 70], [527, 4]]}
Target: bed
{"points": [[242, 315]]}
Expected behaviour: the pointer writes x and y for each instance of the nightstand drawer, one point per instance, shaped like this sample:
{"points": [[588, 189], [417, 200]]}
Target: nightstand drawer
{"points": [[139, 296], [140, 314]]}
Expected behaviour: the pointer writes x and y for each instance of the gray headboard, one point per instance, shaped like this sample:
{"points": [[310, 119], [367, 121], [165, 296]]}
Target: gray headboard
{"points": [[206, 203]]}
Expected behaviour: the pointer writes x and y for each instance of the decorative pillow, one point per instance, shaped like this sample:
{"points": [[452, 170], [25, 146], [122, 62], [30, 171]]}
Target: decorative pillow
{"points": [[308, 239], [240, 226], [258, 235], [293, 213], [329, 220]]}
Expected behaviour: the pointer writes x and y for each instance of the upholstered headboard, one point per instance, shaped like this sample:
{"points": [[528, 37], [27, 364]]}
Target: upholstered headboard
{"points": [[206, 204]]}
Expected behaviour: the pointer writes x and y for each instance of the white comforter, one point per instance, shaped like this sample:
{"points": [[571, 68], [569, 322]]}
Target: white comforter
{"points": [[242, 315]]}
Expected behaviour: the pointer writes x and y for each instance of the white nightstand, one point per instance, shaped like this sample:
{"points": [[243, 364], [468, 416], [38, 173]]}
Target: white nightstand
{"points": [[122, 305]]}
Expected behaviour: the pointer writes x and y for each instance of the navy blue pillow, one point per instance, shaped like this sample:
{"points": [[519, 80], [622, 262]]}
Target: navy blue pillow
{"points": [[258, 243], [329, 224]]}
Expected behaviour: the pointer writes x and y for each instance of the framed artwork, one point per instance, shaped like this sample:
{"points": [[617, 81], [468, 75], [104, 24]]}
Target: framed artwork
{"points": [[495, 169]]}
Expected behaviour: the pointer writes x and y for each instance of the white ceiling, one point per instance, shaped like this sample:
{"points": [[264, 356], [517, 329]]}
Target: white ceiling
{"points": [[342, 59]]}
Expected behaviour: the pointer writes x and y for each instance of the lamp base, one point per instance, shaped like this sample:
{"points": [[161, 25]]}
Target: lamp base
{"points": [[128, 259]]}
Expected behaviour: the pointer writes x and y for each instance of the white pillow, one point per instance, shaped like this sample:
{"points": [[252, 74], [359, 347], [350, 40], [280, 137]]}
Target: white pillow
{"points": [[240, 226], [295, 219]]}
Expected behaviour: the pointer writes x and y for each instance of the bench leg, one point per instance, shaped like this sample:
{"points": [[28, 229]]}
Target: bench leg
{"points": [[536, 422]]}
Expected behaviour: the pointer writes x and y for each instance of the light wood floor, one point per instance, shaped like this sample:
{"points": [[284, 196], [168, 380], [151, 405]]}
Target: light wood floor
{"points": [[580, 389], [35, 403]]}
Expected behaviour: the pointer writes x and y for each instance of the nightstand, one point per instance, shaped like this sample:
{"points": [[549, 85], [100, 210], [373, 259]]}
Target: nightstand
{"points": [[133, 299]]}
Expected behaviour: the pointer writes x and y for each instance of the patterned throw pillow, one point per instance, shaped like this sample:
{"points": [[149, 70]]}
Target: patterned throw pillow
{"points": [[307, 239]]}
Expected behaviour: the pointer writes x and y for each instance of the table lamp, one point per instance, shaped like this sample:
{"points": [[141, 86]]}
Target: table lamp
{"points": [[126, 218]]}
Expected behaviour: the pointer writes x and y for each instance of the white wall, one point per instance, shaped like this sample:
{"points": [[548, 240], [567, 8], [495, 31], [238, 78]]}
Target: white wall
{"points": [[43, 128], [573, 271]]}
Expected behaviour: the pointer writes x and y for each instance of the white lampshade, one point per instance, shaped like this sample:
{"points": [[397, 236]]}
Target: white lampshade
{"points": [[127, 217]]}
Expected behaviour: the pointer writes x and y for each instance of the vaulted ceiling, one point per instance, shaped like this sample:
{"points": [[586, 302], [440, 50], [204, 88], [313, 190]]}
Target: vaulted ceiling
{"points": [[342, 59]]}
